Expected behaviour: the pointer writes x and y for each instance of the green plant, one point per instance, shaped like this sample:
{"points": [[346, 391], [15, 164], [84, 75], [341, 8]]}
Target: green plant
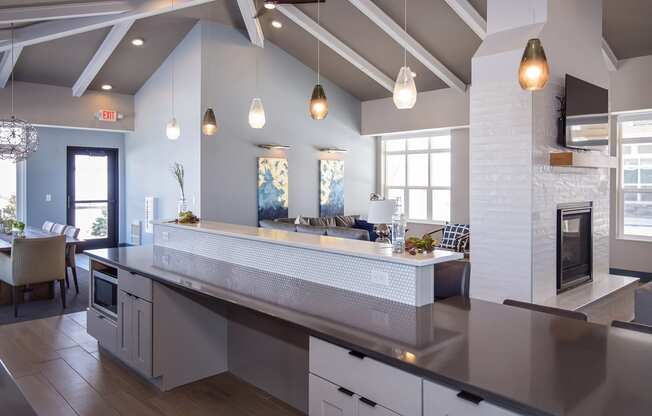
{"points": [[99, 228], [179, 174]]}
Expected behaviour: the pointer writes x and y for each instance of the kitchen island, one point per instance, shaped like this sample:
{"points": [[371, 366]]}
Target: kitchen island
{"points": [[319, 347]]}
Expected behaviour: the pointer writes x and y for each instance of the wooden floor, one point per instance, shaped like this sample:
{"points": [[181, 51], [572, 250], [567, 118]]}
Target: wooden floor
{"points": [[61, 372]]}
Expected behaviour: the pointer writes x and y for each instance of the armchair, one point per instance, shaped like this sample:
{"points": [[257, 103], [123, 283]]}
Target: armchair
{"points": [[34, 260]]}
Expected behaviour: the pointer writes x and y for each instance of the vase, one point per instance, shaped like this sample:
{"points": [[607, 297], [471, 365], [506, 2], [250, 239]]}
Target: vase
{"points": [[182, 206]]}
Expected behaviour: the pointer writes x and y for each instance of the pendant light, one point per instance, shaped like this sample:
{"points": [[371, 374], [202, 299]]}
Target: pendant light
{"points": [[533, 73], [18, 138], [405, 91], [318, 106], [209, 123], [172, 129], [256, 109]]}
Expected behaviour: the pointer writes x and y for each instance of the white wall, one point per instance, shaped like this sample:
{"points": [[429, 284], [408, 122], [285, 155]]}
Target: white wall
{"points": [[149, 154]]}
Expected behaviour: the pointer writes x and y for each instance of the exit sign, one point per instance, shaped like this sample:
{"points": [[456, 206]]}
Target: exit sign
{"points": [[108, 115]]}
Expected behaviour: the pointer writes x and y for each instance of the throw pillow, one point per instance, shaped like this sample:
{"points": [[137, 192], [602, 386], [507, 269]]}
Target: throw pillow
{"points": [[323, 221], [364, 225], [452, 233], [344, 220]]}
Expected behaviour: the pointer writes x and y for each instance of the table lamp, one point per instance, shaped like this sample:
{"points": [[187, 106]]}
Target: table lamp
{"points": [[380, 214]]}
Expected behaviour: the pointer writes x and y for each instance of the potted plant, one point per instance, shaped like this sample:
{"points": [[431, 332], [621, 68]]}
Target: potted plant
{"points": [[179, 175], [18, 228]]}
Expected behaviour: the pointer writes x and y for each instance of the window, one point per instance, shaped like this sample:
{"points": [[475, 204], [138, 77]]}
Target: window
{"points": [[8, 201], [418, 170], [635, 176]]}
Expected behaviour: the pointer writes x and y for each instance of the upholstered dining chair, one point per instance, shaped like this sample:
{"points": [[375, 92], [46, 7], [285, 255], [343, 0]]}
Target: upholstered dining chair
{"points": [[47, 226], [34, 260], [59, 229], [71, 260]]}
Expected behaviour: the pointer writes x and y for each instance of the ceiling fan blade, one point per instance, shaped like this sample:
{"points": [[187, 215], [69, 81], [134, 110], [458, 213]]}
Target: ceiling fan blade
{"points": [[261, 12]]}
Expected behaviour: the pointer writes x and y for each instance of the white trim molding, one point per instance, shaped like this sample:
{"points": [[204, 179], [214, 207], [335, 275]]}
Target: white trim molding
{"points": [[37, 13], [470, 16], [7, 64], [254, 30], [102, 54], [325, 37], [610, 57], [396, 32]]}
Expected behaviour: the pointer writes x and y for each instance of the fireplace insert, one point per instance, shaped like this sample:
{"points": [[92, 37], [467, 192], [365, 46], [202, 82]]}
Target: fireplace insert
{"points": [[574, 245]]}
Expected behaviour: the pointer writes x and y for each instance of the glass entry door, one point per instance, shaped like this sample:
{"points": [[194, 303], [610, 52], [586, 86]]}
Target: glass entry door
{"points": [[93, 195]]}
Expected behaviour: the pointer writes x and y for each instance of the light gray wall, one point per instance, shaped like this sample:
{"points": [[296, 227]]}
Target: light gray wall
{"points": [[229, 158], [630, 88], [149, 154], [445, 108], [46, 172], [51, 105]]}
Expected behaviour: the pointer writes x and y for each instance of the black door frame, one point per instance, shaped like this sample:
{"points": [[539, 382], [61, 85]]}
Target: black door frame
{"points": [[113, 216]]}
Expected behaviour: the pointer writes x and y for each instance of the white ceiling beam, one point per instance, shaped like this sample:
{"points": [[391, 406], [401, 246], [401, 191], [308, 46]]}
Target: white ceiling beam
{"points": [[255, 31], [47, 31], [102, 54], [7, 65], [61, 11], [610, 57], [325, 37], [396, 32], [470, 16]]}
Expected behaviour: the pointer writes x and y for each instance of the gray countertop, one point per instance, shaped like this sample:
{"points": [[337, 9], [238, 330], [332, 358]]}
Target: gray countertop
{"points": [[530, 362], [12, 401]]}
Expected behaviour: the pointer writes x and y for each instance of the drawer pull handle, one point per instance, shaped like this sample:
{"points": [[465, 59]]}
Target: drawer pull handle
{"points": [[368, 402], [357, 354], [345, 391], [469, 397]]}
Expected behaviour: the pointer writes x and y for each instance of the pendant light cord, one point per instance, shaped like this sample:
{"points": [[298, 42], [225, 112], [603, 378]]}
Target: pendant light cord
{"points": [[405, 30], [318, 43], [173, 62], [12, 69]]}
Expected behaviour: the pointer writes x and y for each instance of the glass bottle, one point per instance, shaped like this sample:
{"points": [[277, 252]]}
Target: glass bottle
{"points": [[398, 227]]}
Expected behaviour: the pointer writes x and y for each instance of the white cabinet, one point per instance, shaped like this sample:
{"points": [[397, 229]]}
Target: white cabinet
{"points": [[135, 332], [443, 401], [327, 399], [372, 380], [102, 329]]}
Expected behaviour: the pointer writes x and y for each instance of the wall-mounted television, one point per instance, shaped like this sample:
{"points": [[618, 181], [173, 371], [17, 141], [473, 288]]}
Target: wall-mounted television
{"points": [[584, 119]]}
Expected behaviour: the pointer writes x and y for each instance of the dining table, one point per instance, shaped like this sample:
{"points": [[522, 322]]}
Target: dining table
{"points": [[38, 291], [32, 232]]}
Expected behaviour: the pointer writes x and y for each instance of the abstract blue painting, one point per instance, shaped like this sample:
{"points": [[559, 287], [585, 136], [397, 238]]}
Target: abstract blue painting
{"points": [[331, 188], [272, 188]]}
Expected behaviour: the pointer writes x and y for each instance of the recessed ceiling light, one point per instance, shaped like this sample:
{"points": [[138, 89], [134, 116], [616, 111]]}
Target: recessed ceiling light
{"points": [[138, 41], [277, 24], [270, 5], [107, 87]]}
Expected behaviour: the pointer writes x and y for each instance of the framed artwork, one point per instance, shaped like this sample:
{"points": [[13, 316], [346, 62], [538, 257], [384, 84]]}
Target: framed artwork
{"points": [[272, 188], [331, 188]]}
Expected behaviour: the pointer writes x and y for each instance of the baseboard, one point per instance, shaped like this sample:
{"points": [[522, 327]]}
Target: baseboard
{"points": [[644, 276]]}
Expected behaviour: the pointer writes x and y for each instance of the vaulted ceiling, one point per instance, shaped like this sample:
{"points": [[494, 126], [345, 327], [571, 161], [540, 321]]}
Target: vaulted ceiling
{"points": [[432, 23]]}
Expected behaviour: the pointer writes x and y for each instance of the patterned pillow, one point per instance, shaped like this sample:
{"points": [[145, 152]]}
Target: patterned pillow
{"points": [[452, 234]]}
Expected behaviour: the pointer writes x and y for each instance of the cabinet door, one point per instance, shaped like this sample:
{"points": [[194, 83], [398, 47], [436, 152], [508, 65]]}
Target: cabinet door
{"points": [[327, 399], [125, 327], [142, 349], [443, 401], [369, 408]]}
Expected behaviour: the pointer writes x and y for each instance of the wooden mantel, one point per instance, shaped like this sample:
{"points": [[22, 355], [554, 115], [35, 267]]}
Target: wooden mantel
{"points": [[584, 159]]}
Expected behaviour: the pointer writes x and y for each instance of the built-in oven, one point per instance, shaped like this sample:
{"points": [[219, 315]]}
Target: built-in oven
{"points": [[104, 289]]}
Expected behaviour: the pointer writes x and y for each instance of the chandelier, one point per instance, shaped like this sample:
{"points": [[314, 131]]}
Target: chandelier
{"points": [[18, 138]]}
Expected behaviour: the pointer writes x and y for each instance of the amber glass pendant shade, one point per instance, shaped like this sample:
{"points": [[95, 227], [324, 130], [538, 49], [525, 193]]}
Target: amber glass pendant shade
{"points": [[318, 103], [533, 72], [209, 124]]}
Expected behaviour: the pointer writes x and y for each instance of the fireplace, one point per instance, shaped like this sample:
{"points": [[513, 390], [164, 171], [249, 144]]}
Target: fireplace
{"points": [[574, 245]]}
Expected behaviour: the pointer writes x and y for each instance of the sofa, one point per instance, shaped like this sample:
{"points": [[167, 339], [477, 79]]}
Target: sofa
{"points": [[342, 226]]}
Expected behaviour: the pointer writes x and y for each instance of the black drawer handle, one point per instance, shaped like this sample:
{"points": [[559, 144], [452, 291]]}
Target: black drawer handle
{"points": [[357, 354], [345, 391], [469, 397], [368, 402]]}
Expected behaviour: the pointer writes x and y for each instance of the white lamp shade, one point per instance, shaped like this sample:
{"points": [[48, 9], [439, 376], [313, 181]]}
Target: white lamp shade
{"points": [[380, 212], [405, 90], [256, 114]]}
